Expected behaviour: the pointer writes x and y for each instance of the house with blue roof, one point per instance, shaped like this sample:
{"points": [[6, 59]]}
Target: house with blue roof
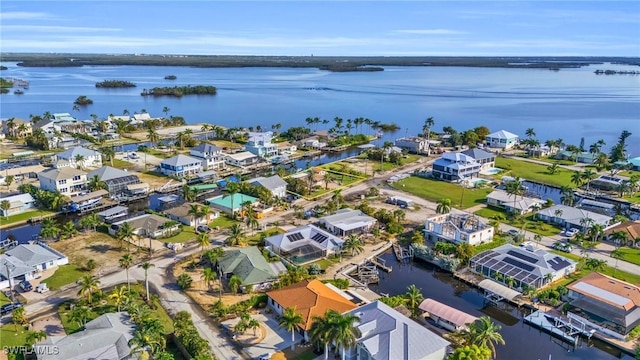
{"points": [[502, 139], [231, 203]]}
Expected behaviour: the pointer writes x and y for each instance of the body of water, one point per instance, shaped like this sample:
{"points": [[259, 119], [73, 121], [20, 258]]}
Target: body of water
{"points": [[522, 341], [567, 104]]}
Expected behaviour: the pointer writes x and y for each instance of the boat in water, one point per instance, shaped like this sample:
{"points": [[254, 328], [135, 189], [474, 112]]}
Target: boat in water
{"points": [[18, 92]]}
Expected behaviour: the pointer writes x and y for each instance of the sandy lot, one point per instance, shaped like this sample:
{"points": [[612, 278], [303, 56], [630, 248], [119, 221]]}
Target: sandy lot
{"points": [[93, 245], [52, 325]]}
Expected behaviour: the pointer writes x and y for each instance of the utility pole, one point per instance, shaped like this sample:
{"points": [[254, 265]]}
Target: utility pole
{"points": [[13, 299]]}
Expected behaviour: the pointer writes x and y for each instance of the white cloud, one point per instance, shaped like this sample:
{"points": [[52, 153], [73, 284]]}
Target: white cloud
{"points": [[51, 28], [25, 15], [430, 32]]}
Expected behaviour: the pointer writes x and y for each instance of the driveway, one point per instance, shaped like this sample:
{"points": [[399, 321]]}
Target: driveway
{"points": [[275, 340]]}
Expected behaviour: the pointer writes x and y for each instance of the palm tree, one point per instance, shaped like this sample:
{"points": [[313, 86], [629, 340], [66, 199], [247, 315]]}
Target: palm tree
{"points": [[426, 129], [208, 275], [444, 206], [587, 176], [385, 147], [89, 285], [616, 254], [196, 213], [553, 168], [125, 262], [79, 160], [353, 244], [290, 321], [577, 178], [483, 332], [320, 331], [153, 137], [595, 264], [79, 314], [188, 193], [108, 152], [234, 283], [232, 189], [120, 296], [36, 336], [514, 188], [5, 205], [166, 110], [68, 230], [619, 237], [146, 266], [95, 184], [19, 317], [125, 233], [344, 332], [414, 298], [203, 241], [530, 133], [236, 235], [567, 196]]}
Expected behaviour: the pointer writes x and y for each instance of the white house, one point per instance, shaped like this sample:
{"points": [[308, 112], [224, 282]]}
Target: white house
{"points": [[501, 139], [23, 262], [241, 159], [81, 157], [571, 217], [387, 334], [260, 144], [274, 184], [314, 143], [413, 144], [211, 156], [69, 181], [181, 213], [348, 221], [304, 243], [455, 166], [59, 117], [181, 166], [513, 204], [148, 225], [486, 159], [457, 228], [17, 204]]}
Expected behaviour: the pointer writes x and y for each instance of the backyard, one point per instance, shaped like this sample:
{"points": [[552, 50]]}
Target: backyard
{"points": [[534, 172], [65, 274], [222, 222], [24, 216], [528, 222], [187, 233], [435, 190], [608, 270]]}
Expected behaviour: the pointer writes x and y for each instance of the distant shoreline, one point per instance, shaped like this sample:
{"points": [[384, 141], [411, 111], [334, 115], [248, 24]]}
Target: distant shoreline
{"points": [[334, 64]]}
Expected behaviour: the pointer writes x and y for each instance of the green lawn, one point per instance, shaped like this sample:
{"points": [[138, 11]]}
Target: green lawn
{"points": [[535, 172], [255, 238], [611, 271], [325, 263], [533, 225], [634, 199], [435, 190], [24, 216], [10, 337], [223, 222], [4, 299], [65, 274], [630, 255], [188, 233], [122, 164]]}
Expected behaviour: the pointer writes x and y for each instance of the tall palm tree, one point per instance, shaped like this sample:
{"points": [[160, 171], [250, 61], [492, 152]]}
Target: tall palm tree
{"points": [[414, 298], [616, 254], [385, 147], [95, 184], [120, 296], [125, 262], [125, 233], [108, 152], [89, 285], [444, 206], [236, 235], [321, 328], [577, 178], [530, 133], [353, 244], [79, 314], [232, 189], [290, 321], [426, 129], [567, 196], [587, 176], [196, 213], [146, 266], [344, 332], [188, 193], [203, 241], [515, 188], [153, 137], [483, 332], [208, 275]]}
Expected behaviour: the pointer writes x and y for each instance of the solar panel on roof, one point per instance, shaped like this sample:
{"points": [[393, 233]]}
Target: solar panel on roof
{"points": [[319, 237], [522, 256], [295, 237], [559, 263], [519, 264]]}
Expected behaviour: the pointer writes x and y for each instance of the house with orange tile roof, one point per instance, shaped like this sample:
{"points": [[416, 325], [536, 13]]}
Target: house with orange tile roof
{"points": [[309, 298], [609, 303], [631, 230]]}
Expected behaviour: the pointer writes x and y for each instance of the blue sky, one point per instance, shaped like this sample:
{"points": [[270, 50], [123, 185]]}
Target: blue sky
{"points": [[349, 28]]}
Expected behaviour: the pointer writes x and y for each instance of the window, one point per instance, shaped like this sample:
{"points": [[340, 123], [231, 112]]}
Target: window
{"points": [[76, 178], [62, 182], [64, 190]]}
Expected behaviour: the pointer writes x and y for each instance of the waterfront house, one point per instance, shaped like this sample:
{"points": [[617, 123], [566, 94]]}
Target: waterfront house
{"points": [[106, 337], [69, 181], [541, 151], [17, 204], [117, 180], [255, 272], [486, 159], [457, 228], [348, 221], [229, 204], [608, 183], [181, 214], [570, 217], [21, 127], [309, 298], [444, 315], [631, 230], [513, 204], [501, 139], [454, 166], [211, 156], [260, 144], [241, 159], [517, 266], [304, 243], [612, 305], [632, 164], [387, 334], [80, 157], [581, 157], [274, 184], [24, 262], [181, 166], [47, 126], [148, 225], [414, 144], [314, 143], [286, 148], [59, 117]]}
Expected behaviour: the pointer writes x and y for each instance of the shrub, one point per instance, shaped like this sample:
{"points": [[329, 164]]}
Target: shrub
{"points": [[184, 281]]}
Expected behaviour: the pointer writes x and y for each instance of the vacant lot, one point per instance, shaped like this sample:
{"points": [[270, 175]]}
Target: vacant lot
{"points": [[535, 172], [98, 246], [435, 190]]}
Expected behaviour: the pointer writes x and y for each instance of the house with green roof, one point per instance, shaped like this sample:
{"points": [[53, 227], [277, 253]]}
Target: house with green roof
{"points": [[581, 157], [231, 203], [251, 267]]}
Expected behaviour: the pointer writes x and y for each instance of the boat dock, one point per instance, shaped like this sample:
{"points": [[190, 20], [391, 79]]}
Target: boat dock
{"points": [[403, 254], [557, 326], [381, 264], [8, 244]]}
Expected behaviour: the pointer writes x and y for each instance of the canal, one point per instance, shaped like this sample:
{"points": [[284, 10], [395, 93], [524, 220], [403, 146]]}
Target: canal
{"points": [[522, 341]]}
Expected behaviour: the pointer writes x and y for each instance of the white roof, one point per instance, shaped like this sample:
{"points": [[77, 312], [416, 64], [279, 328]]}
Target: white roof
{"points": [[22, 198], [389, 335], [62, 173], [241, 156], [502, 134], [348, 219], [181, 160], [271, 183], [75, 151], [574, 215], [519, 202], [305, 235], [33, 255]]}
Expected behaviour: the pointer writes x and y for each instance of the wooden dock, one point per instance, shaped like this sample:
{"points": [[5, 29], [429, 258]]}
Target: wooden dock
{"points": [[381, 264], [403, 254]]}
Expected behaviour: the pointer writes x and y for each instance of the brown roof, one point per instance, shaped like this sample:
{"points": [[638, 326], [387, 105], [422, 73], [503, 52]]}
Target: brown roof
{"points": [[609, 284], [309, 299], [630, 228]]}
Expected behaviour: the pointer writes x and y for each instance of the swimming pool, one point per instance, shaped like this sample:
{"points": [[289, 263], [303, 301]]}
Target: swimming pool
{"points": [[491, 171]]}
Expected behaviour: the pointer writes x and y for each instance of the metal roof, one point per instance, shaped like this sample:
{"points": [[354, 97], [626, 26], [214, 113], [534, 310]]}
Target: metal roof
{"points": [[498, 289], [446, 312], [90, 196]]}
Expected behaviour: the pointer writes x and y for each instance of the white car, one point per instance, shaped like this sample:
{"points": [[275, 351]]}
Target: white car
{"points": [[572, 232], [42, 288]]}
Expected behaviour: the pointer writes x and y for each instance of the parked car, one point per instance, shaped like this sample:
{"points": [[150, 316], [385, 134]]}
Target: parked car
{"points": [[25, 286], [562, 246], [571, 232], [42, 288], [203, 228], [266, 356], [513, 232], [7, 308]]}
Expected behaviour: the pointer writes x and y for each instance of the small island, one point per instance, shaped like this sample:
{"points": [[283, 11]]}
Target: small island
{"points": [[5, 85], [115, 84], [83, 100], [179, 91], [617, 72], [170, 77], [3, 68]]}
